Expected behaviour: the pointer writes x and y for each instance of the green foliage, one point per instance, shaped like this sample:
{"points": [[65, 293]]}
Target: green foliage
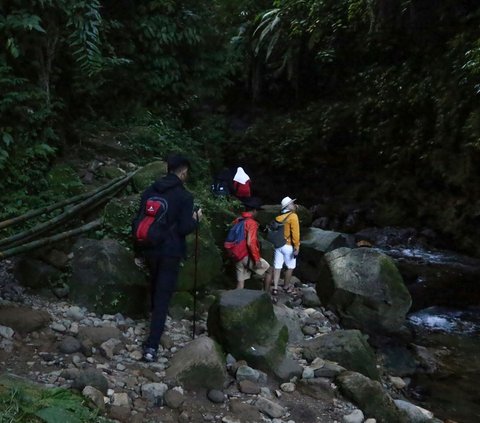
{"points": [[22, 403]]}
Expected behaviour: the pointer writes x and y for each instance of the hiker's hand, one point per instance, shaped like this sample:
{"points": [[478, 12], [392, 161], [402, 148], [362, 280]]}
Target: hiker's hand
{"points": [[258, 264], [295, 252], [197, 215]]}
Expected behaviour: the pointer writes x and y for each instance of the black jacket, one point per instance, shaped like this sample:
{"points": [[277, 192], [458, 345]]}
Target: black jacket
{"points": [[179, 215]]}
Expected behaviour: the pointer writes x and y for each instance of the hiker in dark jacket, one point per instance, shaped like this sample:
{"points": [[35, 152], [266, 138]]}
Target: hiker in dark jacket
{"points": [[164, 260]]}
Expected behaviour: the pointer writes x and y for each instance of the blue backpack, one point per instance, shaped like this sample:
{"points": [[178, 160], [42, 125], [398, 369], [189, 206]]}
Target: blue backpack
{"points": [[236, 243]]}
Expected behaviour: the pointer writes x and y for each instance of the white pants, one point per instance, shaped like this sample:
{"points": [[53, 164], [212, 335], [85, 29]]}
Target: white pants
{"points": [[284, 255]]}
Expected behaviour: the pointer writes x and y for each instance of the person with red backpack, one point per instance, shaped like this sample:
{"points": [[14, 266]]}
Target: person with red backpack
{"points": [[165, 218], [241, 184], [243, 247]]}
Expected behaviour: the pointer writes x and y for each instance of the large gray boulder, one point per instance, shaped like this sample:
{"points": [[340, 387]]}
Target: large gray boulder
{"points": [[314, 244], [200, 364], [243, 322], [349, 348], [105, 278], [366, 289], [370, 397]]}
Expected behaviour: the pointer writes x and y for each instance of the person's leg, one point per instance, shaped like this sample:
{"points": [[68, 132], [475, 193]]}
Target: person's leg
{"points": [[242, 271], [290, 262], [165, 281], [278, 260]]}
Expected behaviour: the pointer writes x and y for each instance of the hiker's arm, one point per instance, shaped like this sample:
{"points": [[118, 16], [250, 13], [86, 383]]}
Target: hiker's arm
{"points": [[295, 231], [252, 241], [186, 224]]}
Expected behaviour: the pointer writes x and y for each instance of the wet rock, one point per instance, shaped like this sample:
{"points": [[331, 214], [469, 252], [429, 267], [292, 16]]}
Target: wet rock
{"points": [[200, 364], [23, 319], [111, 347], [415, 413], [75, 313], [88, 377], [318, 388], [329, 370], [245, 412], [269, 408], [355, 416], [122, 414], [248, 387], [244, 323], [6, 332], [69, 345], [154, 392], [366, 289], [173, 399], [121, 399], [98, 335], [288, 387], [247, 373], [370, 397], [216, 396], [95, 396], [105, 278], [310, 297], [291, 320], [397, 382], [348, 347]]}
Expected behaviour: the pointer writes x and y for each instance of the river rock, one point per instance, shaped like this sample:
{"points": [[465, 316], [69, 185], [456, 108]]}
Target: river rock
{"points": [[216, 396], [243, 322], [154, 392], [106, 279], [35, 274], [319, 388], [173, 399], [415, 413], [94, 395], [110, 347], [6, 332], [88, 377], [23, 319], [370, 397], [69, 345], [365, 288], [200, 364], [291, 320], [270, 408], [356, 416], [310, 297], [315, 243], [248, 387], [347, 347], [98, 335]]}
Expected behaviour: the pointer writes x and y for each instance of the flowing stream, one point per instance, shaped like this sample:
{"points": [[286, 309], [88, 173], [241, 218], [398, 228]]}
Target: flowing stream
{"points": [[445, 288]]}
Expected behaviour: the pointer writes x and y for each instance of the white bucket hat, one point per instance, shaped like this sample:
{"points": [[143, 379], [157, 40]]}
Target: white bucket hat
{"points": [[286, 202]]}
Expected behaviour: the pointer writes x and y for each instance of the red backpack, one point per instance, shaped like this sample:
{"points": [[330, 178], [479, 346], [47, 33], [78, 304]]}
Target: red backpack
{"points": [[236, 244], [149, 227]]}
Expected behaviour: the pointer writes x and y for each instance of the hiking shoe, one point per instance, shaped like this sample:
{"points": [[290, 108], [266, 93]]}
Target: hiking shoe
{"points": [[149, 355]]}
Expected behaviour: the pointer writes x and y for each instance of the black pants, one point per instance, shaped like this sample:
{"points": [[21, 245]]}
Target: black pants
{"points": [[164, 274]]}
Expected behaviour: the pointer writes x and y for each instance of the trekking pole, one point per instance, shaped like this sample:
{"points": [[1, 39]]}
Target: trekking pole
{"points": [[195, 280]]}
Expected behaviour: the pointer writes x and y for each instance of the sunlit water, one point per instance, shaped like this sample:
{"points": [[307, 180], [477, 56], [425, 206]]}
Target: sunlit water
{"points": [[453, 391]]}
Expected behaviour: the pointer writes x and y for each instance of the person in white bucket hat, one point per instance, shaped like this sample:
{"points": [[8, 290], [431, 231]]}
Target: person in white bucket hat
{"points": [[287, 254]]}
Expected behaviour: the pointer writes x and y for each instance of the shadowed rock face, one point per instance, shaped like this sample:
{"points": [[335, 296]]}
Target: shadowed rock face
{"points": [[244, 323], [349, 348], [106, 279], [365, 288]]}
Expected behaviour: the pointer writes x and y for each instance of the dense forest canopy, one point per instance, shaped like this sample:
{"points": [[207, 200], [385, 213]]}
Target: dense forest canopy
{"points": [[361, 100]]}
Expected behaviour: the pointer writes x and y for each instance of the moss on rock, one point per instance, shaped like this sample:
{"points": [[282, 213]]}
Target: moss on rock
{"points": [[148, 174]]}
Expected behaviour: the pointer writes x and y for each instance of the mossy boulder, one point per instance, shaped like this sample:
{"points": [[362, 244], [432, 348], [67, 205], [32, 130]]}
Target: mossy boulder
{"points": [[243, 322], [35, 274], [118, 215], [105, 278], [181, 305], [366, 289], [314, 244], [370, 397], [111, 172], [200, 364], [63, 181], [148, 174], [349, 348], [209, 264]]}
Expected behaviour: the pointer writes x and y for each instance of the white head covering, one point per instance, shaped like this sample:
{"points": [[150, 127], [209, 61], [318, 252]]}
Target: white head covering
{"points": [[286, 202], [241, 177]]}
